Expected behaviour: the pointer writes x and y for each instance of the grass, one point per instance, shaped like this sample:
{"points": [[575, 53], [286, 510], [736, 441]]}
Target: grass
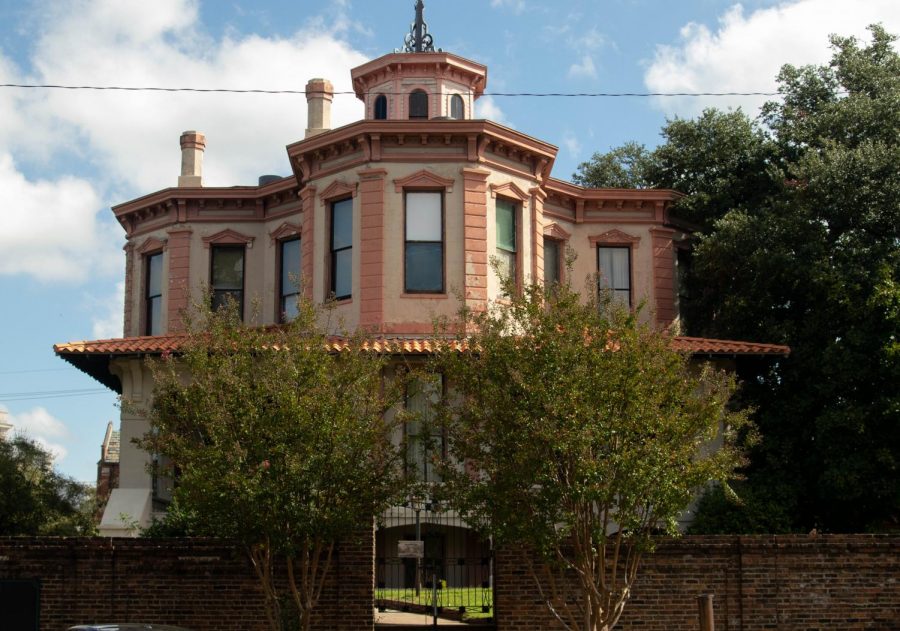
{"points": [[452, 598]]}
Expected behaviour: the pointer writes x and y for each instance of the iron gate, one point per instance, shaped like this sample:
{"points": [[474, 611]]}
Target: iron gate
{"points": [[427, 559]]}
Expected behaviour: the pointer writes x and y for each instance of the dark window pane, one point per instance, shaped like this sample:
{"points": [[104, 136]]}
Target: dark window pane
{"points": [[289, 307], [154, 275], [290, 267], [457, 107], [223, 296], [418, 104], [342, 224], [381, 107], [425, 267], [342, 280], [551, 261], [227, 268]]}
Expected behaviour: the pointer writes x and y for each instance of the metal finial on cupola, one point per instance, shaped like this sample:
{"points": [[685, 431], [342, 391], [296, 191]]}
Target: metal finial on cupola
{"points": [[419, 40]]}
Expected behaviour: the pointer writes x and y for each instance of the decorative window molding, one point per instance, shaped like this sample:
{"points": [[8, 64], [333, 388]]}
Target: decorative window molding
{"points": [[509, 190], [614, 237], [152, 244], [284, 231], [338, 188], [556, 232], [228, 237], [423, 179]]}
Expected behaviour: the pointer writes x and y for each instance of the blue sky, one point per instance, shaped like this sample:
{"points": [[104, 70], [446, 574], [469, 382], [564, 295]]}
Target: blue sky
{"points": [[66, 157]]}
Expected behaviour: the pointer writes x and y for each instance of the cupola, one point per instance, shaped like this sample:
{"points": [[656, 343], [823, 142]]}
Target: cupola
{"points": [[419, 82]]}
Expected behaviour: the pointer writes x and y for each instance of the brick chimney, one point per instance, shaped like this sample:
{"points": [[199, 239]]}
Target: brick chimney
{"points": [[193, 144], [319, 95]]}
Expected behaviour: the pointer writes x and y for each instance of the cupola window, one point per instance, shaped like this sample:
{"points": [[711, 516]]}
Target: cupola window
{"points": [[381, 107], [457, 107], [418, 105]]}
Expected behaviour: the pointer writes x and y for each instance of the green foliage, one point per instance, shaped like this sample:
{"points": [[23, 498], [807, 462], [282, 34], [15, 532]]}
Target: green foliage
{"points": [[582, 433], [622, 167], [38, 500], [277, 443], [801, 245]]}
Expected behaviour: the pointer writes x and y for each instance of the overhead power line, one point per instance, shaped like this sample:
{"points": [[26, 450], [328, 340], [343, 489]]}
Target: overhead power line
{"points": [[50, 86], [50, 394]]}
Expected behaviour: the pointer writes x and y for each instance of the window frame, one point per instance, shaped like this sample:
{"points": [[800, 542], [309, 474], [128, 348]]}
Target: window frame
{"points": [[332, 253], [443, 195], [517, 235], [280, 297], [618, 246], [212, 255], [148, 320]]}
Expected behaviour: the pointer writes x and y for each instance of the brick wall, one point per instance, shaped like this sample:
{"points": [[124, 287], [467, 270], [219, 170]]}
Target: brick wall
{"points": [[203, 585], [785, 583]]}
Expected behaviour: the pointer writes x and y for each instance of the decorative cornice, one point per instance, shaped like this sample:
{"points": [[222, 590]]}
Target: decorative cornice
{"points": [[614, 237], [554, 230], [423, 179], [284, 231], [151, 244], [338, 188], [228, 237], [509, 189]]}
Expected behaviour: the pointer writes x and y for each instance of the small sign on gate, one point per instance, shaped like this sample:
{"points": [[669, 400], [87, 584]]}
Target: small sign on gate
{"points": [[411, 549]]}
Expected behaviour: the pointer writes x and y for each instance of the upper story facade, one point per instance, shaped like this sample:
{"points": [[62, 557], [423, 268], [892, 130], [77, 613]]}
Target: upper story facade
{"points": [[397, 217]]}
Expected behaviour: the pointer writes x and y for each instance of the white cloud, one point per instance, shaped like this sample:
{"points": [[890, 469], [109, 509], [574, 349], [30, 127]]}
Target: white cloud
{"points": [[517, 6], [572, 144], [486, 107], [108, 322], [746, 52], [50, 229], [133, 136], [44, 428], [583, 69]]}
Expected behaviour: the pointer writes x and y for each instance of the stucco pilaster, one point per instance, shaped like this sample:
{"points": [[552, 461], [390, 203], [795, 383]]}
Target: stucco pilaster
{"points": [[371, 269], [475, 236], [664, 275], [179, 276], [129, 290], [307, 243]]}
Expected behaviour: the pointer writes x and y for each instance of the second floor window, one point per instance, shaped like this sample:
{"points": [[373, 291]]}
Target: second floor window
{"points": [[227, 276], [614, 272], [424, 251], [418, 104], [552, 262], [506, 238], [153, 295], [290, 279], [342, 248]]}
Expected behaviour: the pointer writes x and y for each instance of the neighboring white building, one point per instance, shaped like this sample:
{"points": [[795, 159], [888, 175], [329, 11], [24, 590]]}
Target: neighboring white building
{"points": [[5, 425]]}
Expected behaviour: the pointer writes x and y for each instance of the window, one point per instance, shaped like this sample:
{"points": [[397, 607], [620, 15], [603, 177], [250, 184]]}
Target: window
{"points": [[153, 293], [614, 268], [227, 276], [342, 248], [506, 238], [418, 104], [424, 252], [552, 262], [457, 107], [424, 439], [381, 107], [289, 282]]}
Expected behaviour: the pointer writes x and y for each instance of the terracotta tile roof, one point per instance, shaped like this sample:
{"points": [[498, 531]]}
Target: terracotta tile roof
{"points": [[710, 346]]}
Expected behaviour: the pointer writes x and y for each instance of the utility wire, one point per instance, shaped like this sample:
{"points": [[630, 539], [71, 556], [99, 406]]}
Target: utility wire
{"points": [[50, 394], [50, 86]]}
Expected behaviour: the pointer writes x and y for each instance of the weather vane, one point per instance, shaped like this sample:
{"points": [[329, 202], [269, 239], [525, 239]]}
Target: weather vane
{"points": [[419, 40]]}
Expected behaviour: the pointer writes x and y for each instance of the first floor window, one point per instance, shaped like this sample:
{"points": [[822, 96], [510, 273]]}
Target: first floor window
{"points": [[424, 248], [342, 249], [552, 262], [153, 295], [424, 438], [614, 270], [506, 238], [227, 276], [290, 279]]}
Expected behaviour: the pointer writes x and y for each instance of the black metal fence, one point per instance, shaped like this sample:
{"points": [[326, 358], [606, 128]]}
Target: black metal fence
{"points": [[427, 559]]}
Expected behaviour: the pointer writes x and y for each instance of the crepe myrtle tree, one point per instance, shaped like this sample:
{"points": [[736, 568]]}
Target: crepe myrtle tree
{"points": [[576, 432], [279, 442]]}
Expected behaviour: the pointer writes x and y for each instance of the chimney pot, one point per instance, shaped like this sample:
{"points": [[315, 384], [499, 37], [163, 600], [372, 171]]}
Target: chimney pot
{"points": [[319, 95], [193, 144]]}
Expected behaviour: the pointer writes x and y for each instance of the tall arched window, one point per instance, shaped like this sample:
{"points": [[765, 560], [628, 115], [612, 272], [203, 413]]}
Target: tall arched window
{"points": [[381, 107], [457, 107], [418, 104]]}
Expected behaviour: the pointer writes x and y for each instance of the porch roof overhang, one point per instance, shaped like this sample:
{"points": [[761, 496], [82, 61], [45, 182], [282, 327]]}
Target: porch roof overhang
{"points": [[93, 357]]}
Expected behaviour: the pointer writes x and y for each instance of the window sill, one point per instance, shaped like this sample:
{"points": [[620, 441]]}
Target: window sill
{"points": [[424, 296]]}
